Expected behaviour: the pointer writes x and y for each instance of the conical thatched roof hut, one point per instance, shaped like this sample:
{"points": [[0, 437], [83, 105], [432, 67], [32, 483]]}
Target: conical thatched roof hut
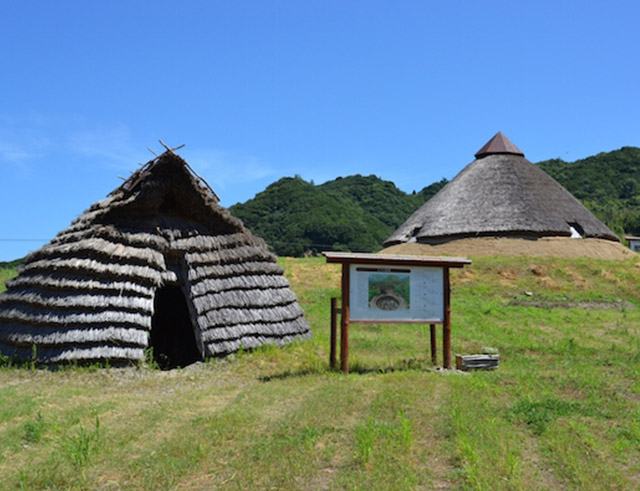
{"points": [[157, 264], [500, 194]]}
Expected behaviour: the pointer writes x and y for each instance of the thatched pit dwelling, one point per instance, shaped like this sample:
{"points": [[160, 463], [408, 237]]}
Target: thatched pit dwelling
{"points": [[503, 204], [158, 264]]}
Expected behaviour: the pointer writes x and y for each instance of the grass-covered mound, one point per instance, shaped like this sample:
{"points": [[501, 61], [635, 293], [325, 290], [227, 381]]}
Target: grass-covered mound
{"points": [[560, 247], [562, 411]]}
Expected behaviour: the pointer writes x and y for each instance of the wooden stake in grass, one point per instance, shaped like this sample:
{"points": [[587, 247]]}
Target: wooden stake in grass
{"points": [[344, 324], [434, 353], [446, 324], [334, 322]]}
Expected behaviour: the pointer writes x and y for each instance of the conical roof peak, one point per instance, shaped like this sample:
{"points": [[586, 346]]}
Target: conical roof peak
{"points": [[500, 194], [498, 144]]}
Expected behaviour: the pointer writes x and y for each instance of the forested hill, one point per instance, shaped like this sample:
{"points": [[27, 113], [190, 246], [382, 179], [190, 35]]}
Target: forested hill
{"points": [[349, 213], [358, 212]]}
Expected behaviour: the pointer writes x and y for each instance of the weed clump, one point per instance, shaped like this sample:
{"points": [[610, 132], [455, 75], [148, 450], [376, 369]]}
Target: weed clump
{"points": [[34, 429], [539, 414], [80, 447]]}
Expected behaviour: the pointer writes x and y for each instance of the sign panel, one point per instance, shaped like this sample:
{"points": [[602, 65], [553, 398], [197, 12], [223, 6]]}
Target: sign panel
{"points": [[396, 294]]}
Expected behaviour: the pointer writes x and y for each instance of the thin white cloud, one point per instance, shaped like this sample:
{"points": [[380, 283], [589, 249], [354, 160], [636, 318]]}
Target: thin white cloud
{"points": [[223, 168], [32, 136], [112, 146], [19, 148], [21, 140], [13, 153], [26, 139]]}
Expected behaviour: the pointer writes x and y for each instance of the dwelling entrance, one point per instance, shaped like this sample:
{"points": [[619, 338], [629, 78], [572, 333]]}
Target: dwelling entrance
{"points": [[172, 334]]}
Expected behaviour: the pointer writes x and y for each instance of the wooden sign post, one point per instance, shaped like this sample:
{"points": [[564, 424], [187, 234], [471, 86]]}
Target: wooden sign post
{"points": [[344, 320], [386, 288]]}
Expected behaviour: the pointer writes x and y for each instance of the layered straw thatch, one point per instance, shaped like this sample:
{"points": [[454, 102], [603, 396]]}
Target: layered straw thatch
{"points": [[500, 194], [89, 294]]}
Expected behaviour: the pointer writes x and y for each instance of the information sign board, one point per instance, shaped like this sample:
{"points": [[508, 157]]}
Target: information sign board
{"points": [[396, 294]]}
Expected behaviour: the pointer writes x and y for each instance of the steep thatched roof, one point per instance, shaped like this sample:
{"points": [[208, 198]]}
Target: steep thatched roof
{"points": [[89, 293], [500, 193]]}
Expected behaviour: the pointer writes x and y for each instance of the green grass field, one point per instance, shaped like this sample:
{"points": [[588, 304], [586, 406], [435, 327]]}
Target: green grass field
{"points": [[561, 412]]}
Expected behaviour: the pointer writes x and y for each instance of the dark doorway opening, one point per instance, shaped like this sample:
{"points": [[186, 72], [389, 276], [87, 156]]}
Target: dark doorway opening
{"points": [[172, 335]]}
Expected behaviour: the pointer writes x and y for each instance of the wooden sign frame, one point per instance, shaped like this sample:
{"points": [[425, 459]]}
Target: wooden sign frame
{"points": [[389, 261]]}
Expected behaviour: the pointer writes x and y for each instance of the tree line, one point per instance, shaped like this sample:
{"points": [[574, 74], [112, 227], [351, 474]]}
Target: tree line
{"points": [[357, 213]]}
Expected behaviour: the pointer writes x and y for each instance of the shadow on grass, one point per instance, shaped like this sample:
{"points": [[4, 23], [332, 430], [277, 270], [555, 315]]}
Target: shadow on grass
{"points": [[357, 368], [12, 362]]}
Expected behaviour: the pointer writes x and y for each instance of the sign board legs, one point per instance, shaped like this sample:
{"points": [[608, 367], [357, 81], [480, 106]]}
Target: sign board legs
{"points": [[434, 354], [344, 324], [446, 324], [334, 328]]}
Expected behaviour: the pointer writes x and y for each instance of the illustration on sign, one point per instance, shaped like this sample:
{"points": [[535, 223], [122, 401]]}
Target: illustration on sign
{"points": [[389, 291], [394, 294]]}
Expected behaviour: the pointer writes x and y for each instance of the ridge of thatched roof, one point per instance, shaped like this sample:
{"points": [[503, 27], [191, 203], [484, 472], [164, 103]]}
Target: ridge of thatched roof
{"points": [[89, 293], [500, 193]]}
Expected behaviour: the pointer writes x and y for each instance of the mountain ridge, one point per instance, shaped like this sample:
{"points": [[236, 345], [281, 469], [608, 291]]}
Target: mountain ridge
{"points": [[358, 212]]}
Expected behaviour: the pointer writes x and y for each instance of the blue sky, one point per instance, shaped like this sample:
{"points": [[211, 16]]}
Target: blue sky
{"points": [[260, 90]]}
